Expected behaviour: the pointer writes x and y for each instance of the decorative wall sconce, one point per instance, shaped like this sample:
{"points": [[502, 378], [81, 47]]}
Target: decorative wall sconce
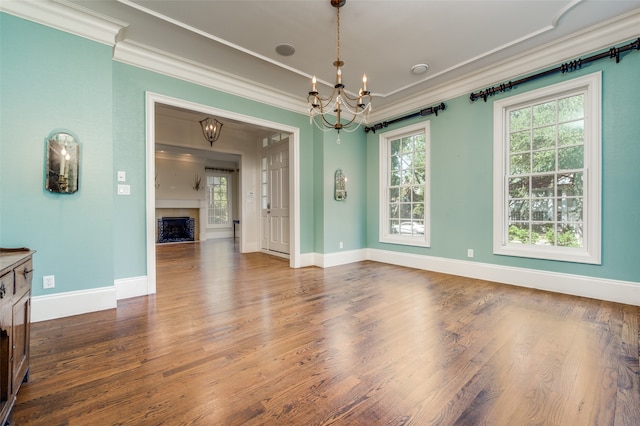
{"points": [[197, 183], [211, 129], [341, 186], [63, 160]]}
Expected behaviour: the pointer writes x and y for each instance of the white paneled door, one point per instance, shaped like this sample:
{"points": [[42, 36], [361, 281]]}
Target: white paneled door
{"points": [[275, 198]]}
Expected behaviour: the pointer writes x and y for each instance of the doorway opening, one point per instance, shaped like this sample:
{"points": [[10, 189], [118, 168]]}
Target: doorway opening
{"points": [[249, 193]]}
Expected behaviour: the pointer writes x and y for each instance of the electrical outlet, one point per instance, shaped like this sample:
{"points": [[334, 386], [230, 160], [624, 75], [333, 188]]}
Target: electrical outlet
{"points": [[49, 281], [341, 245], [469, 252]]}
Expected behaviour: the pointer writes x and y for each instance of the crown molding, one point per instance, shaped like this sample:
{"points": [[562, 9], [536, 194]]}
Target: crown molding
{"points": [[153, 60], [598, 37], [67, 17], [74, 19]]}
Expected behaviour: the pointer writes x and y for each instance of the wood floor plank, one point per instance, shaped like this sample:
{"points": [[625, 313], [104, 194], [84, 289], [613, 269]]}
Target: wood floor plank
{"points": [[242, 339]]}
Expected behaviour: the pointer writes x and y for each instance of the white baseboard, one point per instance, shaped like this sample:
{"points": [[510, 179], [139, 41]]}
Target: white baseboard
{"points": [[626, 292], [131, 287], [307, 259], [340, 258], [72, 303]]}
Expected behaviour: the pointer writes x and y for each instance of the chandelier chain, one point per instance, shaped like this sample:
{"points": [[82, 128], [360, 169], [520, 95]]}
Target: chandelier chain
{"points": [[338, 32]]}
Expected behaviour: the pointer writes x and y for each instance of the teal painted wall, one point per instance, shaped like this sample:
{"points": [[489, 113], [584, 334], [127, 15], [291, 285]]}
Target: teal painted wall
{"points": [[462, 185], [317, 174], [50, 81], [344, 220]]}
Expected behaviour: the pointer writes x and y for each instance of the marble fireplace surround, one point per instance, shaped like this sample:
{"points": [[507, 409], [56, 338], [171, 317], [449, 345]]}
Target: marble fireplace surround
{"points": [[191, 208]]}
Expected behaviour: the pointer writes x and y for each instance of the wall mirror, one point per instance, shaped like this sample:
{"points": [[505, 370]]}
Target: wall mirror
{"points": [[63, 156], [341, 186]]}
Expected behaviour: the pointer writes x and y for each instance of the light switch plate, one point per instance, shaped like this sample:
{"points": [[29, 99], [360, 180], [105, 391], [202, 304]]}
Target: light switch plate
{"points": [[122, 176], [124, 189]]}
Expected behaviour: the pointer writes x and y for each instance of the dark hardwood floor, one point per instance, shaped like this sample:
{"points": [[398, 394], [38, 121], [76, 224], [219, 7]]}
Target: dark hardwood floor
{"points": [[233, 339]]}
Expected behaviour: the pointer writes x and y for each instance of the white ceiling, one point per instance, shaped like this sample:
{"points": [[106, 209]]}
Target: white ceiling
{"points": [[382, 38]]}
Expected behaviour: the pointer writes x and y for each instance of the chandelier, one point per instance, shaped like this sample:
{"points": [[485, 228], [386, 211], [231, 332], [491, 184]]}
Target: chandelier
{"points": [[211, 129], [349, 110]]}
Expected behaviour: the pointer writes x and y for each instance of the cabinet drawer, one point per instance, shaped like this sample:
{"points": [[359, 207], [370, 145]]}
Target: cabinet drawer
{"points": [[24, 274], [6, 285]]}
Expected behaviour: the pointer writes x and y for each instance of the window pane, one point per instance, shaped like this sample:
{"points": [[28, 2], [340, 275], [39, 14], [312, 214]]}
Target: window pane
{"points": [[394, 227], [519, 233], [571, 158], [418, 211], [405, 211], [395, 147], [542, 209], [543, 185], [394, 194], [570, 209], [520, 119], [544, 114], [544, 137], [407, 177], [519, 187], [520, 141], [418, 194], [519, 210], [405, 195], [406, 144], [571, 108], [570, 235], [420, 158], [542, 234], [395, 178], [544, 161], [570, 184], [520, 164], [571, 133]]}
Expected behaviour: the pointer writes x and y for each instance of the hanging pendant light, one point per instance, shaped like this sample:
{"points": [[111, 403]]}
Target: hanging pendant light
{"points": [[211, 129], [339, 110]]}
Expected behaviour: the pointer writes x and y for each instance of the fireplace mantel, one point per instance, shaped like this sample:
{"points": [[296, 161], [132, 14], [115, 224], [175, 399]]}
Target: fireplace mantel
{"points": [[180, 204]]}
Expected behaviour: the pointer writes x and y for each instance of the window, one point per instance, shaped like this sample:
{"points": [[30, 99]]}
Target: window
{"points": [[404, 186], [547, 155], [218, 199]]}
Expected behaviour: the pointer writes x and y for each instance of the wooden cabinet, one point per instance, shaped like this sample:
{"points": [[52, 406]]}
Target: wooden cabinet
{"points": [[16, 272]]}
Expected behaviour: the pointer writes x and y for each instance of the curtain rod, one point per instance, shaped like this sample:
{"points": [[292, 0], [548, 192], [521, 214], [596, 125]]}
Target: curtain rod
{"points": [[614, 52], [216, 169], [431, 110]]}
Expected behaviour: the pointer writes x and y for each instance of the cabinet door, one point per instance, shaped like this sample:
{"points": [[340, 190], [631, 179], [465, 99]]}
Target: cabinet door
{"points": [[6, 396], [20, 337]]}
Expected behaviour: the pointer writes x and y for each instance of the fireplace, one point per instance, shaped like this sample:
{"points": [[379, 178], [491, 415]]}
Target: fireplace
{"points": [[175, 229]]}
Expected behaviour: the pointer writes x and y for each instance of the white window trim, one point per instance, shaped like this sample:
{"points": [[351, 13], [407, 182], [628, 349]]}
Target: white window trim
{"points": [[591, 250], [384, 235], [229, 177]]}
